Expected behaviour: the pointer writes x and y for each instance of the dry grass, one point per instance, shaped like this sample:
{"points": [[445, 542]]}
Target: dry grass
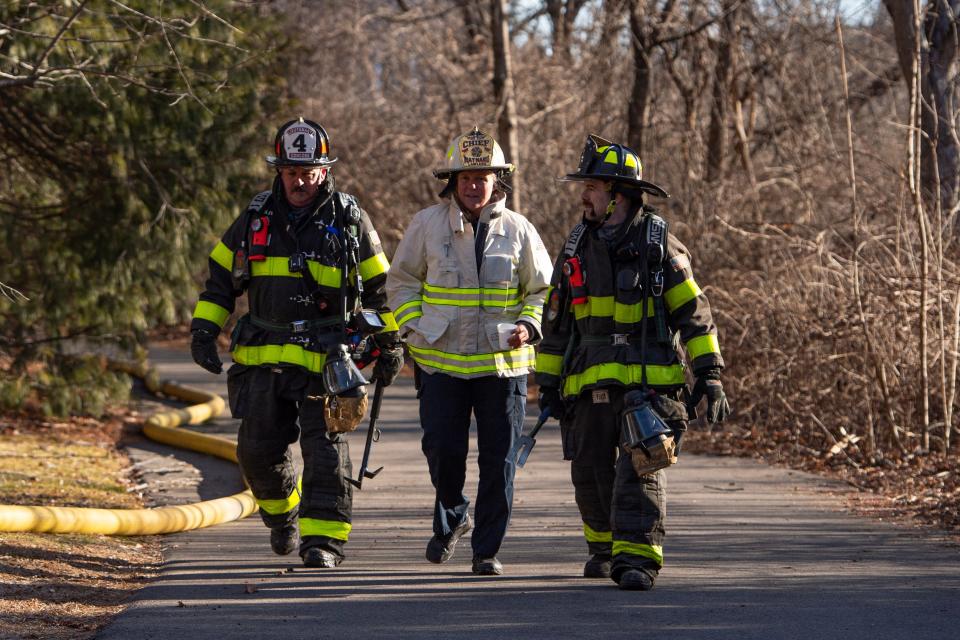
{"points": [[67, 586]]}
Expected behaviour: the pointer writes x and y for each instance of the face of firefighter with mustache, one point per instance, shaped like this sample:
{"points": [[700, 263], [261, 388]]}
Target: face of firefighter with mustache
{"points": [[301, 184], [595, 196]]}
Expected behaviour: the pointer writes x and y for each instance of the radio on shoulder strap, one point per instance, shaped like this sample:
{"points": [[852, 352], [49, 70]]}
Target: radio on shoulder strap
{"points": [[253, 245]]}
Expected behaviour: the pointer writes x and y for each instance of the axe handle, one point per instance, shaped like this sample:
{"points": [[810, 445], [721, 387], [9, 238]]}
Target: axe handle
{"points": [[374, 415], [542, 420]]}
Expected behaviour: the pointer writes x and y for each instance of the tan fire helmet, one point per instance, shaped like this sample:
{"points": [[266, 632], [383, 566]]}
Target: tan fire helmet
{"points": [[475, 150], [344, 413]]}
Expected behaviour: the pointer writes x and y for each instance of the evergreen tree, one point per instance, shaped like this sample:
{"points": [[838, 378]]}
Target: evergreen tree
{"points": [[129, 134]]}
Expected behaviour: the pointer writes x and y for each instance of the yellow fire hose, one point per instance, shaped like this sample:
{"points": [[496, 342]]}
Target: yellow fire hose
{"points": [[161, 427]]}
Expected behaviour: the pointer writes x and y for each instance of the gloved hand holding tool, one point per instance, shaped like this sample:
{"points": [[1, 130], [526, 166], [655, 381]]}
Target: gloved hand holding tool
{"points": [[550, 398], [388, 365]]}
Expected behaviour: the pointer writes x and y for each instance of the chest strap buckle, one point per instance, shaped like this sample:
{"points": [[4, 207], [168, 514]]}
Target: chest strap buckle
{"points": [[619, 339], [656, 285]]}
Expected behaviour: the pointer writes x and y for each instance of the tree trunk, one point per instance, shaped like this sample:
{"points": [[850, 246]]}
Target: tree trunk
{"points": [[639, 106], [938, 89], [719, 111], [504, 95]]}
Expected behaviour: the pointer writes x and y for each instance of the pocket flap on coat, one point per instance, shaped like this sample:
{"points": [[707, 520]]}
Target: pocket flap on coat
{"points": [[432, 327]]}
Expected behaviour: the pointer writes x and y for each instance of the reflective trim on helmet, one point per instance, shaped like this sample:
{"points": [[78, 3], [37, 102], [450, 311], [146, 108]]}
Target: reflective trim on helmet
{"points": [[279, 354], [329, 528], [511, 362], [374, 266], [652, 551], [549, 363], [606, 306], [596, 536], [282, 505], [612, 157], [702, 345], [681, 294], [278, 266], [658, 375], [222, 256], [211, 311]]}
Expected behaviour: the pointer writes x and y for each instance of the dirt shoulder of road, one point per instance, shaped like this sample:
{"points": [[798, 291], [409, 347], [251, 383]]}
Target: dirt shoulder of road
{"points": [[68, 586]]}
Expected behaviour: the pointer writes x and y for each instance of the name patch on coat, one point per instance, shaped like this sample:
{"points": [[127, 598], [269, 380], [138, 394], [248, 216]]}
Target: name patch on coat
{"points": [[601, 396]]}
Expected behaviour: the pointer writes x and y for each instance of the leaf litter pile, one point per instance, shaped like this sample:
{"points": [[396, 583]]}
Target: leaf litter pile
{"points": [[67, 586]]}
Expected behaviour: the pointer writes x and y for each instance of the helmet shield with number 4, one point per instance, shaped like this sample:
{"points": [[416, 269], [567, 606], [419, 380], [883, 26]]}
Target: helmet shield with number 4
{"points": [[301, 143]]}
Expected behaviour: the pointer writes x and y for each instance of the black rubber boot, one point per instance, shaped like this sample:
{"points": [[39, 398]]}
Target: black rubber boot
{"points": [[321, 559], [598, 566], [636, 580], [439, 550], [284, 540]]}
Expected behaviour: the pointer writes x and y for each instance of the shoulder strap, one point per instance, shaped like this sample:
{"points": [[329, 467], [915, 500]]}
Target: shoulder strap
{"points": [[573, 242], [258, 202], [656, 236]]}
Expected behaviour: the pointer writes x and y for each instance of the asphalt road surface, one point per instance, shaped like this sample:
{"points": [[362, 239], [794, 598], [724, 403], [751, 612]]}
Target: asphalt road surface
{"points": [[751, 552]]}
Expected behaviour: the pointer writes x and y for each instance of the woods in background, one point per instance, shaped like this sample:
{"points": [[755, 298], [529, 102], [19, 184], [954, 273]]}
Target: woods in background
{"points": [[812, 165]]}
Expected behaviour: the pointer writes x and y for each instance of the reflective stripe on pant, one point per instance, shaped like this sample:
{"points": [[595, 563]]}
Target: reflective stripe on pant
{"points": [[274, 402], [622, 513], [498, 404]]}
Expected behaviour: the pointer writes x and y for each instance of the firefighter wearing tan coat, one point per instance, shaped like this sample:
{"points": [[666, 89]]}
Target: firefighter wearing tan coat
{"points": [[468, 283]]}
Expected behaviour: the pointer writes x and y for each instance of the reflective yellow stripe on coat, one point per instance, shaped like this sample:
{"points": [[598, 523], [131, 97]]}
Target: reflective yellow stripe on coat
{"points": [[503, 363], [626, 374], [279, 354]]}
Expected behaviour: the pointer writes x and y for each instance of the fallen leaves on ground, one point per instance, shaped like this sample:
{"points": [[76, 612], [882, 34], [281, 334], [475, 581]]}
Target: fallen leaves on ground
{"points": [[67, 586]]}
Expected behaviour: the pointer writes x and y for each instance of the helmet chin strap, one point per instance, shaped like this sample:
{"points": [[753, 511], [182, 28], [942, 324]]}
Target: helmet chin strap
{"points": [[609, 212]]}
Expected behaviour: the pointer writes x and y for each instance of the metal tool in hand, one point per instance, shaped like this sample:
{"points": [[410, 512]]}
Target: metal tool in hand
{"points": [[525, 444], [373, 435]]}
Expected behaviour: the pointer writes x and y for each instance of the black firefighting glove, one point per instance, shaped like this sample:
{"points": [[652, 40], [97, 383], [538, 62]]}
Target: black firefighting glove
{"points": [[551, 397], [203, 349], [389, 363], [708, 384]]}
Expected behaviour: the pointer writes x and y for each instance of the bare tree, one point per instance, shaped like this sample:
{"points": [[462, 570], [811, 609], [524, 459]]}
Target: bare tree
{"points": [[503, 93], [726, 45], [939, 91], [563, 14]]}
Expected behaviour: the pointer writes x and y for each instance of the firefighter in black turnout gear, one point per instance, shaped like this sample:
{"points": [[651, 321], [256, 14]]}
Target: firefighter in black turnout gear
{"points": [[622, 300], [314, 272]]}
